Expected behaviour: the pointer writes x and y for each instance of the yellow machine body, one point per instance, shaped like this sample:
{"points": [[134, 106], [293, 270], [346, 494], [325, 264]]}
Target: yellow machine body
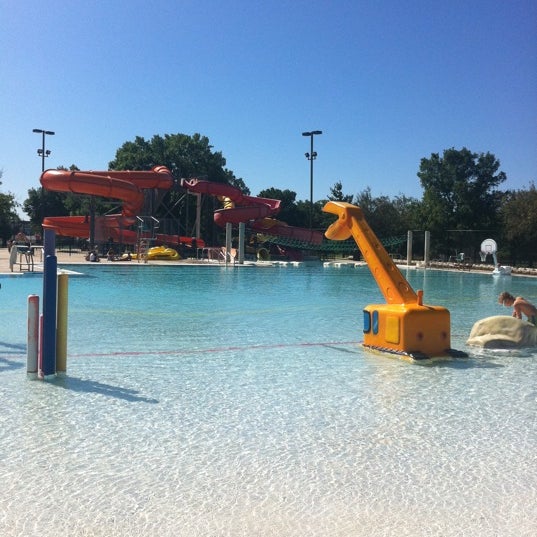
{"points": [[410, 329], [404, 325]]}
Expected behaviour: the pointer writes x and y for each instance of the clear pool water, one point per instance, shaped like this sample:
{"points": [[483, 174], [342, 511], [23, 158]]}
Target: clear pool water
{"points": [[205, 401]]}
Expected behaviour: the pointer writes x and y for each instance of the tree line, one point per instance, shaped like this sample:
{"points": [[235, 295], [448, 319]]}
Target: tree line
{"points": [[462, 202]]}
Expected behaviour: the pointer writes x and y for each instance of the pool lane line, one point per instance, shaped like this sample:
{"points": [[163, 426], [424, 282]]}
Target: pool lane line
{"points": [[218, 349]]}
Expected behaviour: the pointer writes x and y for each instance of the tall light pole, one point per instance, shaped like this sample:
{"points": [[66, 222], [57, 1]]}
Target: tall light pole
{"points": [[41, 152], [311, 156]]}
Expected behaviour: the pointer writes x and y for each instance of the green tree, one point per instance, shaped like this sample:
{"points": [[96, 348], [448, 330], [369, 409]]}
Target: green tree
{"points": [[460, 192], [186, 157], [237, 182], [460, 189], [321, 219], [9, 219], [336, 193], [288, 209], [41, 203], [382, 215], [519, 219], [409, 210]]}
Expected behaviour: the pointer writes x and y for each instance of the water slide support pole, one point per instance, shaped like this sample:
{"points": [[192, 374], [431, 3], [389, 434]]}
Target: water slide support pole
{"points": [[427, 248], [242, 232], [198, 215], [229, 230], [409, 248]]}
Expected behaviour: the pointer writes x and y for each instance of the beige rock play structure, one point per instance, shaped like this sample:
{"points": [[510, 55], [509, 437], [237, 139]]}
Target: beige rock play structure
{"points": [[503, 332]]}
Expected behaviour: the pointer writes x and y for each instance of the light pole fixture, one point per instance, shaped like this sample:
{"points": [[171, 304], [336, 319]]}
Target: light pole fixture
{"points": [[41, 152], [311, 156]]}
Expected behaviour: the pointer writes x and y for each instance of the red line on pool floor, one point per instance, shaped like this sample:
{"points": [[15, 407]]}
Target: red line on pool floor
{"points": [[219, 349]]}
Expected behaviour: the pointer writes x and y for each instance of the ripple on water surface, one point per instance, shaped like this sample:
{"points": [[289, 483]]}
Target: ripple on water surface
{"points": [[262, 424]]}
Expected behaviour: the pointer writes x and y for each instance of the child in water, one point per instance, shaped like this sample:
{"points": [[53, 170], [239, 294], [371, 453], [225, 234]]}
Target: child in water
{"points": [[520, 306]]}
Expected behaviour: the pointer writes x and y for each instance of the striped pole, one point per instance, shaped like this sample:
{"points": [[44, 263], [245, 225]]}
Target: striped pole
{"points": [[33, 336], [61, 333]]}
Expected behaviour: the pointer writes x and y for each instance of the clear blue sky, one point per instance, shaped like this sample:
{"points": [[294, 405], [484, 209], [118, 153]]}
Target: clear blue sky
{"points": [[388, 82]]}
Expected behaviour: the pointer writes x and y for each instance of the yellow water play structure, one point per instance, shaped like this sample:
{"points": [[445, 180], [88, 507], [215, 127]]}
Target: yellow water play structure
{"points": [[404, 325], [159, 253], [163, 253]]}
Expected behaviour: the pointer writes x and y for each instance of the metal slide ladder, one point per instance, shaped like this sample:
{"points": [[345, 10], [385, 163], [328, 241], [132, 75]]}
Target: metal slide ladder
{"points": [[147, 229]]}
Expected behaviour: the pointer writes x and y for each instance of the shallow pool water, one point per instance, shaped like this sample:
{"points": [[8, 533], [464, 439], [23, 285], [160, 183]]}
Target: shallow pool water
{"points": [[219, 401]]}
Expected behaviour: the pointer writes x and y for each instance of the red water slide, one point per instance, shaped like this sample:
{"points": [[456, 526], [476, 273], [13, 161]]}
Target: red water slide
{"points": [[241, 209], [125, 186], [258, 211]]}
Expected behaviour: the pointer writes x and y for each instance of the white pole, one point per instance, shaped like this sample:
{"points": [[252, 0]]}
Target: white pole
{"points": [[242, 232], [409, 248], [427, 248], [229, 229], [198, 215], [33, 336]]}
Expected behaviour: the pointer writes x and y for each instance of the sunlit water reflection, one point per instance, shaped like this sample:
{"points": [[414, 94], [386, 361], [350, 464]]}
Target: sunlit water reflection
{"points": [[210, 401]]}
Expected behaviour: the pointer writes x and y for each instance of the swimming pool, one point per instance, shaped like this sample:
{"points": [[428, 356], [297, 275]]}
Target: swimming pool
{"points": [[236, 401]]}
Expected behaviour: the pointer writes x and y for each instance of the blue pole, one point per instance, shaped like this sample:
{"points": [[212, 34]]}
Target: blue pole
{"points": [[50, 292], [49, 242], [50, 286]]}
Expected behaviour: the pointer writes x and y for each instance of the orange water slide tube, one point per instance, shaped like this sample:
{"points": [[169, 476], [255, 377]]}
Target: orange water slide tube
{"points": [[68, 226], [250, 208], [240, 214], [233, 193], [124, 185], [246, 207], [214, 189], [96, 185], [158, 177]]}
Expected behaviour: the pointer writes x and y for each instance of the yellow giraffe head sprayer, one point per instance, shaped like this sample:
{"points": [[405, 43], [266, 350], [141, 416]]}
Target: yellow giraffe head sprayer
{"points": [[404, 325]]}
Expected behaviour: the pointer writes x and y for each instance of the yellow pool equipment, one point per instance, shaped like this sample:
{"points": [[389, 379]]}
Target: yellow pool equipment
{"points": [[404, 326], [162, 253]]}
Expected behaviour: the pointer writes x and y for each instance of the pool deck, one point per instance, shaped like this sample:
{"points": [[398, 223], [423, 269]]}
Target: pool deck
{"points": [[78, 258]]}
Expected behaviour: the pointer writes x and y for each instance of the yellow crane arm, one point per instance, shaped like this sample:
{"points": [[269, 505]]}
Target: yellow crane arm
{"points": [[351, 222]]}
